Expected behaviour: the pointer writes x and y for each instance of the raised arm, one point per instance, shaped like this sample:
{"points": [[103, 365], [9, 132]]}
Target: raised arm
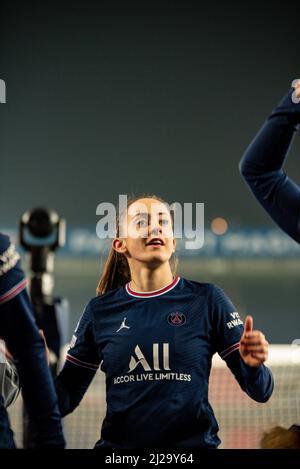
{"points": [[262, 164]]}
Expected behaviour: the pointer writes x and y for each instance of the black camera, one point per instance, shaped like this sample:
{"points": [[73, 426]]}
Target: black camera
{"points": [[41, 233]]}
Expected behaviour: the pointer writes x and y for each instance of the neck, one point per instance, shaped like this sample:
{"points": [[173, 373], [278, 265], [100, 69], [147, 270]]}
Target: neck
{"points": [[144, 279]]}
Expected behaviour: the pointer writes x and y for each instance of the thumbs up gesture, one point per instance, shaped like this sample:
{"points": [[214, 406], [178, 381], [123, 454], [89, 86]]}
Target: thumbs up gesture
{"points": [[253, 345]]}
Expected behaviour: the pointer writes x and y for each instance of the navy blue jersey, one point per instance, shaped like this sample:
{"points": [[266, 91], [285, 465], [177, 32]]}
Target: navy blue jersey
{"points": [[21, 334], [262, 166], [156, 350]]}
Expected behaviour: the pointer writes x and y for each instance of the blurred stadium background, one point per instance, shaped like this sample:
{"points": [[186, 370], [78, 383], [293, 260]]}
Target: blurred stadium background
{"points": [[108, 99]]}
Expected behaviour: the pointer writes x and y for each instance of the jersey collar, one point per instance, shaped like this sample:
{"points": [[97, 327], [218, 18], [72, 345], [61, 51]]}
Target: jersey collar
{"points": [[151, 294]]}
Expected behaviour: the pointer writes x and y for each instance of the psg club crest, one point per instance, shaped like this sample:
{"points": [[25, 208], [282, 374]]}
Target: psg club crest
{"points": [[176, 319]]}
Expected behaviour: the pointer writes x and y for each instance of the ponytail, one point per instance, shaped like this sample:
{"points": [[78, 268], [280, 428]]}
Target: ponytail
{"points": [[115, 273]]}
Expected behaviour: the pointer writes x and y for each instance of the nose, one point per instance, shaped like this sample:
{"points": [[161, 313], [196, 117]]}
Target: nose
{"points": [[155, 230]]}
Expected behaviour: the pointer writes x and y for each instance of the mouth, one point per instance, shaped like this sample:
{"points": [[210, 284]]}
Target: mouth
{"points": [[155, 242]]}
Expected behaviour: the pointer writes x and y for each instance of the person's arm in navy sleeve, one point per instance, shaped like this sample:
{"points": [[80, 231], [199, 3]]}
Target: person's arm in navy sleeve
{"points": [[81, 364], [19, 331], [257, 382], [262, 166]]}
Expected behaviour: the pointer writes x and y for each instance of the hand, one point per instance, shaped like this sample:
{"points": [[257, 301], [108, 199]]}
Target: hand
{"points": [[254, 348], [296, 94]]}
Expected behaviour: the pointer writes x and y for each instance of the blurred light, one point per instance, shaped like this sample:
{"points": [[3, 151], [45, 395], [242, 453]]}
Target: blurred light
{"points": [[219, 226]]}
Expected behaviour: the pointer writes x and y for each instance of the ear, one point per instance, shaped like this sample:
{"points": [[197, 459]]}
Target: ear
{"points": [[119, 245], [174, 245]]}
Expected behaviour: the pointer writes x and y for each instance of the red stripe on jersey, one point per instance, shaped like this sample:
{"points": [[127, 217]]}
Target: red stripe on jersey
{"points": [[152, 293], [229, 350], [75, 361], [10, 294]]}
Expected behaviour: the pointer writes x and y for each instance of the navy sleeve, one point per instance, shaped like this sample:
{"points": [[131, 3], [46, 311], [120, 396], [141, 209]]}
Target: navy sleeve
{"points": [[20, 332], [262, 167], [81, 364], [228, 329]]}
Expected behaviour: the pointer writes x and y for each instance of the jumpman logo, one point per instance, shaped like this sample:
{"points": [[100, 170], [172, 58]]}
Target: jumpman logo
{"points": [[123, 325]]}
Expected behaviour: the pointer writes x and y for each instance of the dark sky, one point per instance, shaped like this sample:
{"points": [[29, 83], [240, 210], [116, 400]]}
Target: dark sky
{"points": [[159, 97]]}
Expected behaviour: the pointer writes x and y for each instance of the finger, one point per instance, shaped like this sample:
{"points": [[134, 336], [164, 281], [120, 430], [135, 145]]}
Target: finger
{"points": [[260, 356], [255, 349], [246, 343], [248, 325], [256, 333], [261, 343], [246, 348], [253, 339], [256, 336]]}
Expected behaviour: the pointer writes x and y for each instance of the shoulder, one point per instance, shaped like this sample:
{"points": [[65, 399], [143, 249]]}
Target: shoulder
{"points": [[95, 305], [213, 294], [8, 254], [12, 279], [202, 288], [102, 301]]}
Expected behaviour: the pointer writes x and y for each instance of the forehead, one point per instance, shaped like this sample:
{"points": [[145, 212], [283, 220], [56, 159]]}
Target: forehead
{"points": [[147, 205]]}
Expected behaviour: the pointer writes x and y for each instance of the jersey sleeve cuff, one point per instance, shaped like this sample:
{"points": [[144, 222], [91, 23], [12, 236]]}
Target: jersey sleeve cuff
{"points": [[81, 363], [289, 108], [252, 371]]}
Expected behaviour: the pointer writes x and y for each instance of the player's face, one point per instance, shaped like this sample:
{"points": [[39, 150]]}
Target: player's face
{"points": [[149, 237]]}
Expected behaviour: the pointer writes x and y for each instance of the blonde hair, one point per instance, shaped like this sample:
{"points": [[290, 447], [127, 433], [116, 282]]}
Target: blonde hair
{"points": [[116, 271], [280, 438]]}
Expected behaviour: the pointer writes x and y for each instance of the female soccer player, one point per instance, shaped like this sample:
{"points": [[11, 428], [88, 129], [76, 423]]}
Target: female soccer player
{"points": [[154, 335], [262, 163]]}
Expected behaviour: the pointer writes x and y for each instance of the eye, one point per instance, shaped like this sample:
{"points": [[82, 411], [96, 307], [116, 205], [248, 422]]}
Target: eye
{"points": [[165, 222], [142, 222]]}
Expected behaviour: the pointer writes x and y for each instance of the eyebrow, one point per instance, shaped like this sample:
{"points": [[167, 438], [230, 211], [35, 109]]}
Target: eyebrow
{"points": [[147, 214]]}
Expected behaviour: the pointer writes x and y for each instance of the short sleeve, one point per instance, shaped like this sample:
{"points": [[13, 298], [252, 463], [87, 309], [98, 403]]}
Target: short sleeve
{"points": [[227, 324], [83, 350]]}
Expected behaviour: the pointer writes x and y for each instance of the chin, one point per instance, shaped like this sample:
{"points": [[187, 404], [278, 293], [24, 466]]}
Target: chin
{"points": [[157, 260]]}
